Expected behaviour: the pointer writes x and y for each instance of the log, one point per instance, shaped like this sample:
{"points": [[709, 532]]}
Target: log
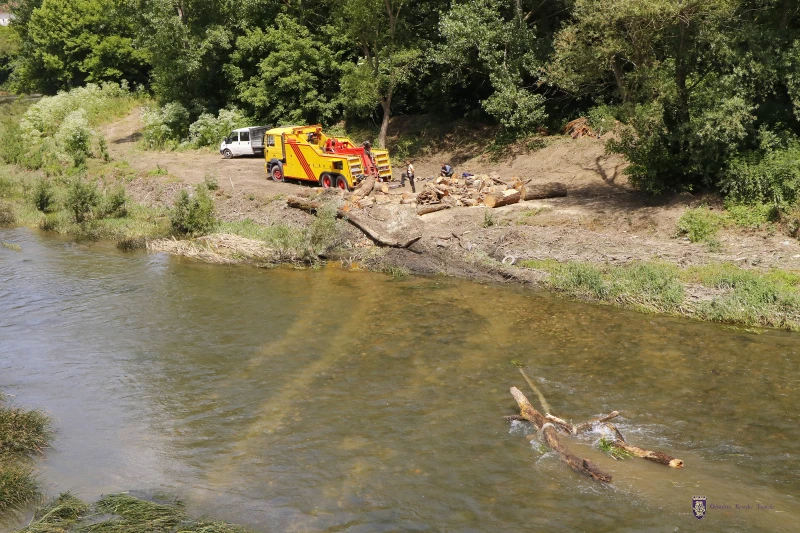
{"points": [[494, 200], [551, 438], [589, 424], [553, 189], [469, 202], [655, 456], [374, 233], [303, 203], [431, 208], [380, 187], [563, 424], [365, 188]]}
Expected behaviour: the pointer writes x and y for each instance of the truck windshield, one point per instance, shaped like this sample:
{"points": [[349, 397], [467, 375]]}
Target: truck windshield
{"points": [[233, 136]]}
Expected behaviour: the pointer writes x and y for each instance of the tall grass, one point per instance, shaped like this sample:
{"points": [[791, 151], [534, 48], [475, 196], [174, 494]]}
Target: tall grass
{"points": [[734, 295]]}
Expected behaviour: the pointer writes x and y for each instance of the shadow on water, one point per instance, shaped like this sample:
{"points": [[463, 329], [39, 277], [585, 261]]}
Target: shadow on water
{"points": [[330, 401]]}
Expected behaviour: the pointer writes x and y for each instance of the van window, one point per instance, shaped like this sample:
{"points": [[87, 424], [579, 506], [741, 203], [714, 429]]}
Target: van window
{"points": [[270, 140], [244, 136], [233, 136]]}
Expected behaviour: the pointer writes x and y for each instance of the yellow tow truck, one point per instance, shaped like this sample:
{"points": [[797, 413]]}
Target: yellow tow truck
{"points": [[307, 153]]}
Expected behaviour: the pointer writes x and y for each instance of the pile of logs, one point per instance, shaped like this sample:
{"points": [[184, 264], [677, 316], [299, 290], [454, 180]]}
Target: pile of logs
{"points": [[553, 429], [486, 190], [578, 128]]}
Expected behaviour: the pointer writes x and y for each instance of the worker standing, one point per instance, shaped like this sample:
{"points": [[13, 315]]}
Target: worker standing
{"points": [[409, 173]]}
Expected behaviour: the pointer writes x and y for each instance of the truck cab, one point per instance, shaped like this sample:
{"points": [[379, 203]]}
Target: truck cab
{"points": [[307, 153], [244, 141]]}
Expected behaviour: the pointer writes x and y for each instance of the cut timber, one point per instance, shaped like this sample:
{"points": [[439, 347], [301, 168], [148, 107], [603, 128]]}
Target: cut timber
{"points": [[510, 196], [380, 187], [551, 438], [365, 188], [656, 457], [553, 189], [431, 208], [303, 203]]}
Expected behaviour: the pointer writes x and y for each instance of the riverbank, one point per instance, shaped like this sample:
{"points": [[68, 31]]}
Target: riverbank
{"points": [[24, 434], [684, 255]]}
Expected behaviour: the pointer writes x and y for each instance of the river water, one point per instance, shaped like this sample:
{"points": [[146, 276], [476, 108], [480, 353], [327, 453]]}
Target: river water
{"points": [[325, 400]]}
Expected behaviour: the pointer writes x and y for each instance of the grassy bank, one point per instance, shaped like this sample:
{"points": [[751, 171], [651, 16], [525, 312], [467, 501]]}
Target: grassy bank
{"points": [[120, 513], [718, 292], [23, 435]]}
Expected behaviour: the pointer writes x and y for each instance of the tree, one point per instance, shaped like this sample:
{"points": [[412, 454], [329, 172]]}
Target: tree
{"points": [[286, 75], [69, 44], [10, 46], [385, 61]]}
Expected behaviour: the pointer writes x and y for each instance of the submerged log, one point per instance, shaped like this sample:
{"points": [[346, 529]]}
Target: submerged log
{"points": [[551, 438], [553, 189], [589, 424], [500, 199], [655, 456]]}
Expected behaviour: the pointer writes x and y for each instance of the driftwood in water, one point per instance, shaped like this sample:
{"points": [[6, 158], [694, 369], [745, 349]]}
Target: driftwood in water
{"points": [[655, 456], [554, 189], [589, 424], [551, 438]]}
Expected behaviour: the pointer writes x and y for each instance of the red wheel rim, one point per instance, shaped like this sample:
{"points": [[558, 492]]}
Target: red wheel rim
{"points": [[341, 184], [277, 175], [326, 182]]}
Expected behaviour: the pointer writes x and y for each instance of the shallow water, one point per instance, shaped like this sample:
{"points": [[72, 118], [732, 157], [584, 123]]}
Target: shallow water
{"points": [[302, 400]]}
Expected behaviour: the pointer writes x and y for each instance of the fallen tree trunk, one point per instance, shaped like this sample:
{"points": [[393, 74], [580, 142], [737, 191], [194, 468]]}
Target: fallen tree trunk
{"points": [[365, 188], [554, 189], [375, 234], [499, 199], [551, 438], [655, 456], [589, 424], [303, 203], [431, 208]]}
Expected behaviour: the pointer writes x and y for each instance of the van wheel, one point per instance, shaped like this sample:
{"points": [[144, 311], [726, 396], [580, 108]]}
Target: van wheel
{"points": [[341, 183], [277, 173], [227, 154], [326, 181]]}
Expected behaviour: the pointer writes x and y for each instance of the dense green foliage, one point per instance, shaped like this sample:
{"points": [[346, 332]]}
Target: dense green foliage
{"points": [[707, 91]]}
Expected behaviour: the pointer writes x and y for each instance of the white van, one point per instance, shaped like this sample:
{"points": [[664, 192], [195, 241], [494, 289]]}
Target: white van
{"points": [[244, 141]]}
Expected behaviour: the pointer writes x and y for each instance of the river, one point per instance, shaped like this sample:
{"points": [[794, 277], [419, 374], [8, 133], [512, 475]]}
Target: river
{"points": [[325, 400]]}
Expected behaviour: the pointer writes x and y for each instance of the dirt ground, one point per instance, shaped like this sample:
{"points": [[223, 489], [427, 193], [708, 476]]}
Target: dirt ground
{"points": [[602, 219]]}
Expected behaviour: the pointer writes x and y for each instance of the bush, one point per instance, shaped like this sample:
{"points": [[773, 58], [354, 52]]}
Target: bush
{"points": [[517, 109], [114, 203], [44, 196], [193, 214], [165, 126], [74, 137], [752, 216], [773, 177], [209, 130], [82, 198], [7, 214], [602, 118], [211, 183], [700, 224]]}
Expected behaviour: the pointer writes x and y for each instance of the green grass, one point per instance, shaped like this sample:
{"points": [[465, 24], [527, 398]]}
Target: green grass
{"points": [[701, 224], [120, 513], [607, 446], [23, 434], [748, 297]]}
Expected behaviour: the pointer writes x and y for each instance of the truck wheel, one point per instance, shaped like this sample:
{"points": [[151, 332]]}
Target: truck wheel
{"points": [[341, 183], [227, 154], [277, 173], [326, 181]]}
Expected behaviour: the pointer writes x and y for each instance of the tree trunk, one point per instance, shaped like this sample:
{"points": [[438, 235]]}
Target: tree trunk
{"points": [[431, 208], [365, 188], [303, 203], [553, 189], [551, 438], [619, 77], [500, 199], [386, 103], [784, 21], [655, 456]]}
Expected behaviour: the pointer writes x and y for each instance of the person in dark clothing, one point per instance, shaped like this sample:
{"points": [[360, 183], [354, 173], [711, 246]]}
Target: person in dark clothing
{"points": [[409, 173], [447, 170]]}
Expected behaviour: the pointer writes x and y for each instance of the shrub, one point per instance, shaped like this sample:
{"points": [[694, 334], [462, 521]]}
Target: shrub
{"points": [[773, 177], [43, 195], [209, 130], [323, 233], [7, 214], [700, 224], [114, 203], [74, 137], [752, 216], [602, 118], [211, 183], [193, 214], [165, 126], [82, 198]]}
